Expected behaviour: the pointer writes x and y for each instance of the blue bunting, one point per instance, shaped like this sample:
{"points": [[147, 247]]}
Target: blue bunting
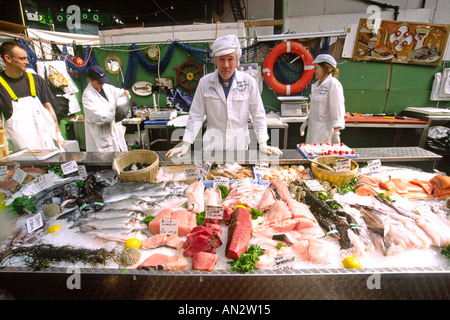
{"points": [[32, 58]]}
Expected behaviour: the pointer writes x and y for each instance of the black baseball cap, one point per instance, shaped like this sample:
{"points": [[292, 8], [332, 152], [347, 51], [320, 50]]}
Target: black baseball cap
{"points": [[96, 72]]}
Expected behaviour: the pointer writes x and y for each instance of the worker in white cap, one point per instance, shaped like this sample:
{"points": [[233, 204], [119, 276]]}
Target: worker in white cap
{"points": [[327, 107], [227, 98]]}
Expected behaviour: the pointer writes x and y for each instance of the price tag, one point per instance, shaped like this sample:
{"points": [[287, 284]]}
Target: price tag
{"points": [[19, 176], [243, 185], [221, 181], [313, 185], [206, 166], [284, 262], [82, 171], [38, 184], [69, 167], [176, 190], [192, 173], [214, 212], [374, 165], [43, 182], [343, 165], [261, 168], [168, 226], [34, 223], [3, 171]]}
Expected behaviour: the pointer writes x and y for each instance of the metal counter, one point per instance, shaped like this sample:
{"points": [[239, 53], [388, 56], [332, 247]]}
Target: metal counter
{"points": [[290, 156], [424, 283], [300, 284]]}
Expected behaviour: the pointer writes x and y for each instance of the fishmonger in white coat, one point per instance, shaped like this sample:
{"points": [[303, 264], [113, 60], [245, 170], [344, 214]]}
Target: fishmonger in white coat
{"points": [[103, 133], [227, 97], [327, 109]]}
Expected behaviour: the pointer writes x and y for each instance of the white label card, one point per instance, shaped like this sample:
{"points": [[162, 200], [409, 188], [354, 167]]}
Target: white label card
{"points": [[19, 176], [34, 223], [192, 173], [214, 212], [284, 262], [3, 171], [343, 165], [243, 185], [374, 165], [313, 185], [82, 171], [69, 167], [176, 190], [38, 184], [168, 226], [205, 166], [221, 181], [261, 168]]}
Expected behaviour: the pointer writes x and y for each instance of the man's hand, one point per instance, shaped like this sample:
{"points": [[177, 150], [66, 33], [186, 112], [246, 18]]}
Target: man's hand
{"points": [[59, 138], [264, 148], [180, 150], [303, 127], [336, 137]]}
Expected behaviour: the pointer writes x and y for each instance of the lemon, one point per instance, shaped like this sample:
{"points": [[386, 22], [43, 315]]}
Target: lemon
{"points": [[53, 229], [239, 206], [133, 242], [351, 262]]}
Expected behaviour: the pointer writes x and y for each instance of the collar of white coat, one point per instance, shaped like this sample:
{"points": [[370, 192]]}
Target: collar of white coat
{"points": [[327, 79], [237, 78], [91, 87]]}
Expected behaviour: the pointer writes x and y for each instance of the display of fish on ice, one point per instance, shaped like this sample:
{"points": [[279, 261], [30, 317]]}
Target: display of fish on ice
{"points": [[141, 205], [133, 222], [116, 234], [148, 191]]}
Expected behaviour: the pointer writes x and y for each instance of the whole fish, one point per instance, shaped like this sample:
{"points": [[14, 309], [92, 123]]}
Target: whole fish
{"points": [[112, 214], [116, 234], [138, 204], [120, 222], [144, 190], [126, 190]]}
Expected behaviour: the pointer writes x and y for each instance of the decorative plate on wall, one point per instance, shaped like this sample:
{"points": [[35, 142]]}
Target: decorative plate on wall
{"points": [[142, 88], [113, 64]]}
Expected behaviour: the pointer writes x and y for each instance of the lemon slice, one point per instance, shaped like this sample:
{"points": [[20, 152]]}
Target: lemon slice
{"points": [[133, 242], [240, 206], [351, 262], [53, 228]]}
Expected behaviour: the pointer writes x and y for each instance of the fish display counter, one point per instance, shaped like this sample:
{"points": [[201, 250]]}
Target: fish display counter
{"points": [[254, 229]]}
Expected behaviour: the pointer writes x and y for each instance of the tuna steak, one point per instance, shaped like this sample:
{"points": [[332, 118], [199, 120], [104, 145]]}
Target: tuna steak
{"points": [[239, 233], [204, 261]]}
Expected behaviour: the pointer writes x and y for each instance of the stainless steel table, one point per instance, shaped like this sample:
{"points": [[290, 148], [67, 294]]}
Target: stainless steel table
{"points": [[290, 156]]}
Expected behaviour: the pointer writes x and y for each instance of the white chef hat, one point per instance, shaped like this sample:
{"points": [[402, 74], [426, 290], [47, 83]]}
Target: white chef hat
{"points": [[325, 58], [225, 45]]}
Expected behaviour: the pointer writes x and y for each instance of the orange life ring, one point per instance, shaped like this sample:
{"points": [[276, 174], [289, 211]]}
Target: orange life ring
{"points": [[308, 70]]}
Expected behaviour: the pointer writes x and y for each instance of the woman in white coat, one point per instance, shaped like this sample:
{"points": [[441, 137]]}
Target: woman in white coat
{"points": [[103, 133], [227, 98], [327, 108]]}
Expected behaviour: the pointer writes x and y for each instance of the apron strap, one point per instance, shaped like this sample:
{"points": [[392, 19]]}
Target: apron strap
{"points": [[8, 88], [11, 92], [32, 85]]}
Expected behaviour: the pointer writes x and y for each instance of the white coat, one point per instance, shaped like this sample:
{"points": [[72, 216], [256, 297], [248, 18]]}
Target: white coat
{"points": [[327, 110], [227, 118], [101, 131]]}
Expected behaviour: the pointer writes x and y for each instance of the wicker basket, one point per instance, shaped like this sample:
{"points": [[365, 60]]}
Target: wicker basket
{"points": [[338, 179], [147, 174]]}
